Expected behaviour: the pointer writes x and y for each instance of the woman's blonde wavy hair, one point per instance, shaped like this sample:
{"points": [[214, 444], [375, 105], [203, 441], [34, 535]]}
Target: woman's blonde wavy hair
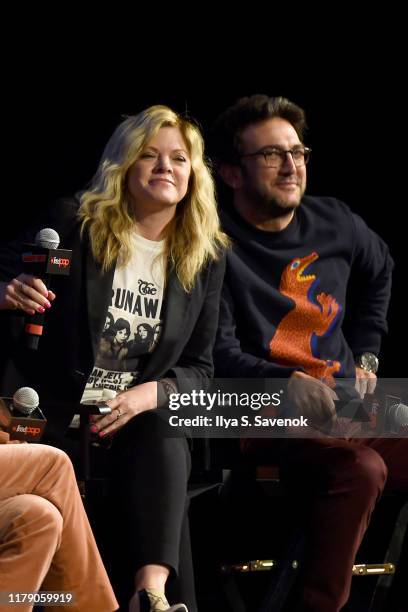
{"points": [[192, 238]]}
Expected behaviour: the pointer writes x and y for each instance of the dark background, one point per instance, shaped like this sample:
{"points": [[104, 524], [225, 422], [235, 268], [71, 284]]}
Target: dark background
{"points": [[61, 103], [59, 113]]}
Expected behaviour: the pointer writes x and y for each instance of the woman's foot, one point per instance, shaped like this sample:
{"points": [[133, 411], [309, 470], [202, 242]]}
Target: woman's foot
{"points": [[152, 600]]}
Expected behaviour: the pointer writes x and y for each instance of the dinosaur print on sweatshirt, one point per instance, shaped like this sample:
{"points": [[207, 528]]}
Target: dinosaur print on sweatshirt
{"points": [[292, 343]]}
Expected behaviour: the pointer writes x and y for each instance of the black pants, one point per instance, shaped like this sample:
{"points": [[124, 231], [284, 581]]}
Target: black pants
{"points": [[149, 490], [146, 518]]}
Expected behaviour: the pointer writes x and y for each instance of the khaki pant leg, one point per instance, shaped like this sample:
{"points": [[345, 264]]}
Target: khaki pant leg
{"points": [[30, 534], [76, 566]]}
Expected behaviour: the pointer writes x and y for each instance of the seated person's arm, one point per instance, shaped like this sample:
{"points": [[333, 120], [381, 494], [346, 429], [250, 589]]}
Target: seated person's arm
{"points": [[229, 359], [312, 397]]}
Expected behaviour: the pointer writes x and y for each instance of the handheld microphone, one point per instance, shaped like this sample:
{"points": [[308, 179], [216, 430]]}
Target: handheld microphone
{"points": [[98, 406], [25, 401], [22, 417], [89, 407], [393, 419], [396, 419], [43, 259], [47, 238], [388, 416]]}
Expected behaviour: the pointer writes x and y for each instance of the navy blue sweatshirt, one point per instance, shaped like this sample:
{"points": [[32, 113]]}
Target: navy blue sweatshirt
{"points": [[310, 297]]}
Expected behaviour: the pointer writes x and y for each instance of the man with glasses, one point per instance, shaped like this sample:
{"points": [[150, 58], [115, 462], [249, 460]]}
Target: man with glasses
{"points": [[294, 261]]}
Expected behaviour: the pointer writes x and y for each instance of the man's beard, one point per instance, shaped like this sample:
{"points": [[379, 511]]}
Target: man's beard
{"points": [[272, 208], [275, 210]]}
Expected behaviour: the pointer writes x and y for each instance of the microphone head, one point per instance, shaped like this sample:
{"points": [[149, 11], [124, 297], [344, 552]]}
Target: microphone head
{"points": [[401, 415], [397, 418], [26, 400], [47, 238]]}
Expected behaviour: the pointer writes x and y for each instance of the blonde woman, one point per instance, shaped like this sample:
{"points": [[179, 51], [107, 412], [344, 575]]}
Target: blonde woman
{"points": [[147, 248]]}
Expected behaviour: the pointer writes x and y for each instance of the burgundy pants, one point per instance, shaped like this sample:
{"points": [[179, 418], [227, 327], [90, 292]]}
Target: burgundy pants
{"points": [[341, 481]]}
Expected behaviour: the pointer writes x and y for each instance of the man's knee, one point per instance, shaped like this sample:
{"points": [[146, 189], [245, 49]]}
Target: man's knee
{"points": [[338, 466], [367, 469]]}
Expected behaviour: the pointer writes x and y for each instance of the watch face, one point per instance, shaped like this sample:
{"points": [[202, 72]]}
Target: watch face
{"points": [[369, 362]]}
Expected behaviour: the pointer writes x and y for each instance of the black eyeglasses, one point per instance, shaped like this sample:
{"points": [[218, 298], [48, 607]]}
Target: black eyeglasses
{"points": [[275, 156]]}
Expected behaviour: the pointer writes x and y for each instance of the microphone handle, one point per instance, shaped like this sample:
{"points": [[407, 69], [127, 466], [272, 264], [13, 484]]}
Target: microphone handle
{"points": [[34, 328], [34, 325], [47, 280]]}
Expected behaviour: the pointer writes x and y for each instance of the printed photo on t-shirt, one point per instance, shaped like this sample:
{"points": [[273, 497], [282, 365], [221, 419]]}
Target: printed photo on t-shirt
{"points": [[133, 324]]}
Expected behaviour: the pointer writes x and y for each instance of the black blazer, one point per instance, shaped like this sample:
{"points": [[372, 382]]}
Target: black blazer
{"points": [[59, 369]]}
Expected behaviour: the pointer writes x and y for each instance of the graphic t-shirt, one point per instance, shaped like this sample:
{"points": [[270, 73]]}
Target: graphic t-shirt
{"points": [[133, 324]]}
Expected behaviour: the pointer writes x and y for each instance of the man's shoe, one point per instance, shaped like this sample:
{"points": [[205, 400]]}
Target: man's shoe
{"points": [[151, 600]]}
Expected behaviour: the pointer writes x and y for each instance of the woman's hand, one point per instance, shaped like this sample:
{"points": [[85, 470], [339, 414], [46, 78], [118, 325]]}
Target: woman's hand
{"points": [[124, 407], [27, 293]]}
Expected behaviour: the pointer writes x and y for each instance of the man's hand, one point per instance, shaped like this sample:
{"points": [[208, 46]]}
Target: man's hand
{"points": [[312, 397], [366, 382]]}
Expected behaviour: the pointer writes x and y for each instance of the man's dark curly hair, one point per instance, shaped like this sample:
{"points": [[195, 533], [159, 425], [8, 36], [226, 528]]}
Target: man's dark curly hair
{"points": [[225, 142]]}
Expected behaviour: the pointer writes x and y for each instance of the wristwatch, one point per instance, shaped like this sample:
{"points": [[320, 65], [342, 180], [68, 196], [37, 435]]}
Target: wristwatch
{"points": [[368, 361]]}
